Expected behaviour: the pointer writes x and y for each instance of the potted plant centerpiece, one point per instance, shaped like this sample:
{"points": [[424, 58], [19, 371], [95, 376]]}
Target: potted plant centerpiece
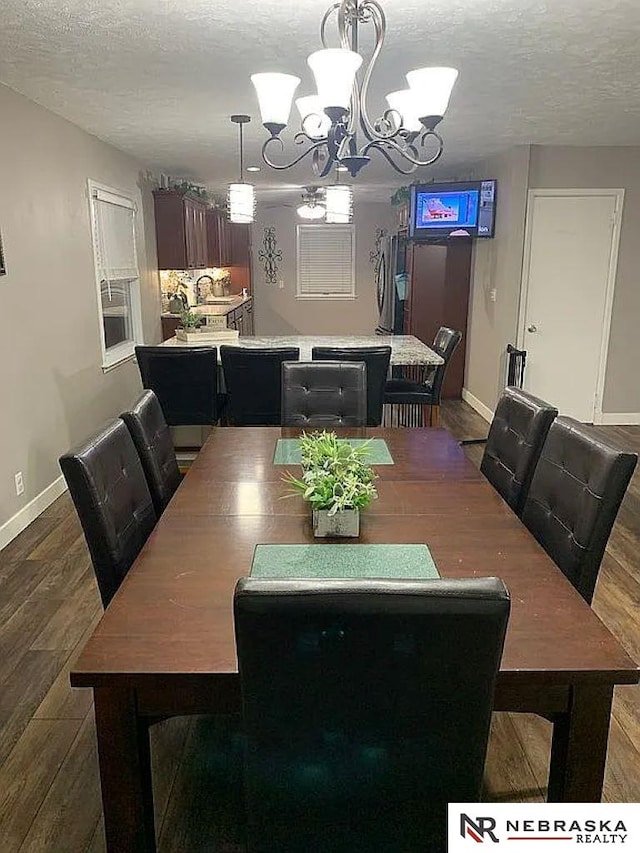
{"points": [[189, 324], [336, 481]]}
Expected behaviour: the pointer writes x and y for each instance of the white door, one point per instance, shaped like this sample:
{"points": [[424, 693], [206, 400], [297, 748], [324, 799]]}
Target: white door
{"points": [[569, 270]]}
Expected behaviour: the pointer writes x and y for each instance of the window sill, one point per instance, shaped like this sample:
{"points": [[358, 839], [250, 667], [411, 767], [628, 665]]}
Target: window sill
{"points": [[108, 366], [324, 297]]}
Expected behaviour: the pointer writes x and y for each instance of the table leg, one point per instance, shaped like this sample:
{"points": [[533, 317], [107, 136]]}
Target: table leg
{"points": [[125, 772], [579, 746]]}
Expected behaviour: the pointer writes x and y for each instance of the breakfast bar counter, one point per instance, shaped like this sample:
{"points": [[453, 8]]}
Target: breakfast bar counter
{"points": [[406, 350]]}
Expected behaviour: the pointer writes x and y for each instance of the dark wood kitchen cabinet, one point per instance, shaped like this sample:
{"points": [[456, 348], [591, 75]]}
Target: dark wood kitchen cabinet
{"points": [[218, 238], [181, 230], [438, 284]]}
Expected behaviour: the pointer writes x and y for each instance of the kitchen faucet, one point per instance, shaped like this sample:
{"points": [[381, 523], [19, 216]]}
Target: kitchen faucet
{"points": [[197, 287]]}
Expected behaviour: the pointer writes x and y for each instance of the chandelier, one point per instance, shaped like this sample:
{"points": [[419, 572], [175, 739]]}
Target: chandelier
{"points": [[405, 134], [241, 201]]}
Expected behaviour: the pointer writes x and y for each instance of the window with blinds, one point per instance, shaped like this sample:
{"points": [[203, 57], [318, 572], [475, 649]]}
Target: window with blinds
{"points": [[116, 264], [326, 262]]}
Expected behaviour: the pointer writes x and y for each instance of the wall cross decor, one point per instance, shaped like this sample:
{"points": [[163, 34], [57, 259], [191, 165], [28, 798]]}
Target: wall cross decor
{"points": [[376, 253], [270, 256]]}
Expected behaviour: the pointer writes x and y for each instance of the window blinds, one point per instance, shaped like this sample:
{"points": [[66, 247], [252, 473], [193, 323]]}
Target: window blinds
{"points": [[326, 260], [115, 242]]}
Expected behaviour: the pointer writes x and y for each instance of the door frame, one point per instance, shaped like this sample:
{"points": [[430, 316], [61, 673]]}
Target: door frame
{"points": [[618, 194]]}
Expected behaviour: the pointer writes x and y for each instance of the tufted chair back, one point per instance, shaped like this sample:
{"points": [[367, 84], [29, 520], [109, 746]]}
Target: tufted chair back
{"points": [[253, 378], [324, 394], [152, 439], [377, 361], [575, 494], [518, 430], [366, 707], [112, 499], [185, 381]]}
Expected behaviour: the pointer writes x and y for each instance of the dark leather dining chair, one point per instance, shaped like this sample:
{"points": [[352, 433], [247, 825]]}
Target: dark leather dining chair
{"points": [[112, 499], [152, 439], [575, 494], [253, 379], [324, 394], [377, 361], [185, 381], [413, 397], [366, 707], [519, 427]]}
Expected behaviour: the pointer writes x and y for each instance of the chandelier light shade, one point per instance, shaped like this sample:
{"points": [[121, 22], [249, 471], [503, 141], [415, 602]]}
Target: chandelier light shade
{"points": [[242, 203], [404, 102], [241, 200], [339, 204], [275, 94], [315, 122], [335, 70], [432, 89], [335, 123]]}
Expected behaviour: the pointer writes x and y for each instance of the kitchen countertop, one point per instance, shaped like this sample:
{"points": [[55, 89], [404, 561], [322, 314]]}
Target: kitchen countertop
{"points": [[405, 349], [216, 310]]}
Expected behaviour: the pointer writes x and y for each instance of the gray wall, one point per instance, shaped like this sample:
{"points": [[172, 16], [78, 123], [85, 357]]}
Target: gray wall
{"points": [[497, 266], [564, 167], [278, 312], [54, 391]]}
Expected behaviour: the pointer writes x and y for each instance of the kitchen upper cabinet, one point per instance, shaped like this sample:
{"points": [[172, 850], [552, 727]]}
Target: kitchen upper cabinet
{"points": [[181, 230], [219, 231]]}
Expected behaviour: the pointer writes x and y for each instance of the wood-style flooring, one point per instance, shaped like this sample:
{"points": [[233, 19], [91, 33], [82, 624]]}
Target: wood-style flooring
{"points": [[49, 784]]}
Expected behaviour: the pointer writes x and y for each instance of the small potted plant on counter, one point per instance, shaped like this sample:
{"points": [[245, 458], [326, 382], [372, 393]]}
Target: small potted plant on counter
{"points": [[336, 481], [189, 325]]}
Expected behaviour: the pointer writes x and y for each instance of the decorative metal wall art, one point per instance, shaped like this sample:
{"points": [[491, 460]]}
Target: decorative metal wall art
{"points": [[376, 253], [270, 256], [3, 269]]}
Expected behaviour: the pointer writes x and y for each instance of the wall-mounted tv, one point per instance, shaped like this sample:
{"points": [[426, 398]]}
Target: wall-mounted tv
{"points": [[463, 209]]}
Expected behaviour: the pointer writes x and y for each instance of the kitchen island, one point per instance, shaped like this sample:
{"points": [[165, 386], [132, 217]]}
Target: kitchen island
{"points": [[406, 350]]}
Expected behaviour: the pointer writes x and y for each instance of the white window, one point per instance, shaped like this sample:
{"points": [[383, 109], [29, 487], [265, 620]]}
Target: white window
{"points": [[326, 262], [116, 264]]}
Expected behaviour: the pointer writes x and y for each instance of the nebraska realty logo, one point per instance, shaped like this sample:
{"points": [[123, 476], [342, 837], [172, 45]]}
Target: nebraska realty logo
{"points": [[544, 826]]}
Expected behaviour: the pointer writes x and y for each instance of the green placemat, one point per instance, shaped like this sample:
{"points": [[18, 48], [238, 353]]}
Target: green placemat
{"points": [[343, 561], [288, 451]]}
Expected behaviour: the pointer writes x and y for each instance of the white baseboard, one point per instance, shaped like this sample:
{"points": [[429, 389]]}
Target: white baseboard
{"points": [[17, 523], [478, 405], [621, 419]]}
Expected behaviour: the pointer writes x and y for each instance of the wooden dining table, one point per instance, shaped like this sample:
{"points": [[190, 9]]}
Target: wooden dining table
{"points": [[165, 645]]}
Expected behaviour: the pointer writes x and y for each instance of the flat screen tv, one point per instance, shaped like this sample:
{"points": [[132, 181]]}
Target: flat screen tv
{"points": [[464, 209]]}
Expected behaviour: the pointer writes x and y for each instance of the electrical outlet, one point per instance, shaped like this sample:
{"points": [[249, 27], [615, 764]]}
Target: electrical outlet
{"points": [[19, 484], [493, 294], [281, 284]]}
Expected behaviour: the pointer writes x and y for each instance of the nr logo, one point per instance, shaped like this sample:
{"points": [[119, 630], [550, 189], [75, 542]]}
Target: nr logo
{"points": [[478, 828]]}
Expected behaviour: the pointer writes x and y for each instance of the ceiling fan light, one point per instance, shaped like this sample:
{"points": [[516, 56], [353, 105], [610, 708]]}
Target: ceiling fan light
{"points": [[404, 102], [311, 211], [275, 94], [432, 88], [241, 203], [318, 123], [334, 70], [339, 202]]}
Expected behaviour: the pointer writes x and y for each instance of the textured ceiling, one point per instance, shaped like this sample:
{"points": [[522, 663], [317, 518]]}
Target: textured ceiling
{"points": [[159, 78]]}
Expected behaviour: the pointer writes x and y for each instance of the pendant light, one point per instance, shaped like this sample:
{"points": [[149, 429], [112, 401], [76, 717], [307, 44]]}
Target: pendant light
{"points": [[241, 200]]}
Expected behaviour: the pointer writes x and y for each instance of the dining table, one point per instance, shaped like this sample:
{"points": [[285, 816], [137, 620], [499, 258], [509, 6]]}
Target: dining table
{"points": [[166, 646]]}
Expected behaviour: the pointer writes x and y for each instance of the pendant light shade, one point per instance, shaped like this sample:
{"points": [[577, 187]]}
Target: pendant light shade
{"points": [[339, 203], [335, 70], [275, 94], [432, 88], [318, 123], [241, 200], [404, 102], [242, 203]]}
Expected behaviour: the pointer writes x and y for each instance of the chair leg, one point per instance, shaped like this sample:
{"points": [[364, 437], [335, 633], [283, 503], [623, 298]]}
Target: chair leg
{"points": [[434, 420]]}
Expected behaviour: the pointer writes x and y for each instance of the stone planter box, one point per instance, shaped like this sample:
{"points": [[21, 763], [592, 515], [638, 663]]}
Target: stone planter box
{"points": [[345, 523]]}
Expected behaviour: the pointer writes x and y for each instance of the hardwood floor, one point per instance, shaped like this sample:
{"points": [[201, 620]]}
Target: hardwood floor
{"points": [[49, 785]]}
